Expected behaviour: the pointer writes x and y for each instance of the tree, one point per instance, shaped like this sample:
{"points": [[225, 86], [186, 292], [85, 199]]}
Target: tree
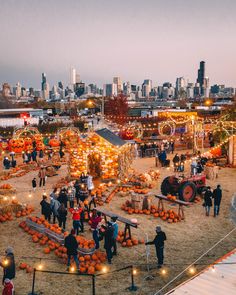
{"points": [[117, 106]]}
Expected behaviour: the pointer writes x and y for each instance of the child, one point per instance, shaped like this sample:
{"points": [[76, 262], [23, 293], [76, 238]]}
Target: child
{"points": [[34, 184], [8, 287]]}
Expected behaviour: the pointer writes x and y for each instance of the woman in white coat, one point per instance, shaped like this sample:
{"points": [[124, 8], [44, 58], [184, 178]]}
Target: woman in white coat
{"points": [[90, 184]]}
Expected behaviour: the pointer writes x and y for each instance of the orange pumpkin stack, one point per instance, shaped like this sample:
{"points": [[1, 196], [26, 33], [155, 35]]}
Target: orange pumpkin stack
{"points": [[129, 242], [6, 217]]}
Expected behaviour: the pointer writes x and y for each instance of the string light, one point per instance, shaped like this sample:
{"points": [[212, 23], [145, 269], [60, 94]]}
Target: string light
{"points": [[134, 271], [163, 272], [192, 270], [104, 269]]}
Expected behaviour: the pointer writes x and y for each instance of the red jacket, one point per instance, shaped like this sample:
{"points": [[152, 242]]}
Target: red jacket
{"points": [[95, 221], [76, 213], [8, 288]]}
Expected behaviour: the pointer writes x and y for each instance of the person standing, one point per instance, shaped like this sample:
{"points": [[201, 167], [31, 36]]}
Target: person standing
{"points": [[90, 184], [176, 160], [34, 183], [71, 195], [217, 196], [34, 155], [6, 163], [63, 199], [54, 194], [8, 287], [115, 233], [108, 240], [77, 189], [208, 200], [159, 244], [71, 245], [95, 219], [46, 208], [42, 176], [8, 265], [54, 204], [172, 146], [62, 215], [41, 154], [76, 216]]}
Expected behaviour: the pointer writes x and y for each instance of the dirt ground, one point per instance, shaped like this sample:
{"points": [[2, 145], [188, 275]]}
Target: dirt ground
{"points": [[186, 241]]}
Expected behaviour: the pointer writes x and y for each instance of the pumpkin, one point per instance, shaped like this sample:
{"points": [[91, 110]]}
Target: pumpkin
{"points": [[46, 250], [54, 142], [40, 146], [17, 145], [28, 141], [23, 265]]}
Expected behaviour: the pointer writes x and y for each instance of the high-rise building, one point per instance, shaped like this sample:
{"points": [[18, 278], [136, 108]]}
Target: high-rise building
{"points": [[6, 90], [79, 88], [118, 82], [146, 88], [201, 74], [72, 77], [77, 78], [46, 91], [44, 81], [180, 87], [110, 89], [17, 90]]}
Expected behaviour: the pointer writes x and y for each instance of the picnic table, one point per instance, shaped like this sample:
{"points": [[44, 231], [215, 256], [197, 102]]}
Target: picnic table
{"points": [[162, 198], [128, 223]]}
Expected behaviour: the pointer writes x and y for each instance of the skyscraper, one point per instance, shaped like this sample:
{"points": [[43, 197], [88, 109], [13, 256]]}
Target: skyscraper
{"points": [[146, 87], [72, 77], [118, 82], [201, 74], [44, 81]]}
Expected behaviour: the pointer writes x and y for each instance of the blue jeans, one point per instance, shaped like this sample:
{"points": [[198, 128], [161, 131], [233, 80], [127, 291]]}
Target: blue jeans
{"points": [[75, 259], [216, 210], [76, 226], [109, 254], [95, 238], [208, 210]]}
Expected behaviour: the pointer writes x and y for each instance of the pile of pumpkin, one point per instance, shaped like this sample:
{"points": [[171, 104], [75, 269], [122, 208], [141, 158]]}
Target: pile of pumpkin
{"points": [[89, 263], [42, 221], [6, 217], [6, 186], [19, 145], [25, 212], [166, 215], [130, 242], [26, 267]]}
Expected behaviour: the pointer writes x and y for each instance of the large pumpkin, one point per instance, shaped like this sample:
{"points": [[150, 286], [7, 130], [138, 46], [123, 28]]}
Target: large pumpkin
{"points": [[40, 146], [38, 137], [54, 142], [17, 145], [28, 141]]}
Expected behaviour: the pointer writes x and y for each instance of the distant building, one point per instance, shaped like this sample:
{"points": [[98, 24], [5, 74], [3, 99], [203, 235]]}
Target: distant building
{"points": [[118, 82], [6, 90], [110, 89], [44, 81], [180, 88], [201, 74], [79, 89], [146, 88], [72, 78]]}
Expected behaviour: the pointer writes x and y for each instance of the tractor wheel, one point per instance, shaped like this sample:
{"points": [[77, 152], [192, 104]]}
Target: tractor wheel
{"points": [[169, 186], [187, 191]]}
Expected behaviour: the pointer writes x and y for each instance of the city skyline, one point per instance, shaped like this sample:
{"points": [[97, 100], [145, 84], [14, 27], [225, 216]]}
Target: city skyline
{"points": [[132, 40]]}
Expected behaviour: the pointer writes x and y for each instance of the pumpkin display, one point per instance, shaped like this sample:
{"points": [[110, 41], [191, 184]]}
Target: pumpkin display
{"points": [[28, 141], [17, 145], [54, 142], [40, 146]]}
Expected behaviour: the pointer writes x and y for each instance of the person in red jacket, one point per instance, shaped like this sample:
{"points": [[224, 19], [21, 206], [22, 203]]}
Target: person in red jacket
{"points": [[76, 216], [8, 288], [95, 219]]}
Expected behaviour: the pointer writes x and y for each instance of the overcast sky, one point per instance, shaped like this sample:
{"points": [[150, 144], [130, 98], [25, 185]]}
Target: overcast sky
{"points": [[133, 39]]}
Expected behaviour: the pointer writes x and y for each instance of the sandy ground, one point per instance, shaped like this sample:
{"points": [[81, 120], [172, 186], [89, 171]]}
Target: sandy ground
{"points": [[186, 241]]}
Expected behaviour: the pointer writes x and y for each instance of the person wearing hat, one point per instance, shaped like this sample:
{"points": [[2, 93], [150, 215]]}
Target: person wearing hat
{"points": [[115, 233], [8, 265], [159, 244], [6, 163]]}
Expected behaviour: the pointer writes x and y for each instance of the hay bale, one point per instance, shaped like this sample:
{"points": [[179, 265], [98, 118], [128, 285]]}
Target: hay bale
{"points": [[5, 192], [11, 208]]}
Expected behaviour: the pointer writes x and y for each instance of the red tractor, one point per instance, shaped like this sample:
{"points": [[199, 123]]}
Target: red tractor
{"points": [[185, 188]]}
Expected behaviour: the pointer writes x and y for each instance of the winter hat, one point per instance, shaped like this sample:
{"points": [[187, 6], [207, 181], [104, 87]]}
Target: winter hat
{"points": [[158, 229], [9, 250]]}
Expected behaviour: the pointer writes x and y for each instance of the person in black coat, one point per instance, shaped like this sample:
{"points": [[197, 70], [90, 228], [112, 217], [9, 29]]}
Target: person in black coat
{"points": [[159, 244], [77, 189], [8, 265], [176, 160], [208, 200], [63, 198], [108, 240], [62, 215], [71, 245], [46, 208], [217, 196]]}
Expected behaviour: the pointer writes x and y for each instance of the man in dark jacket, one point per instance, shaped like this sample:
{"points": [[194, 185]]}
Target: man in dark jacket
{"points": [[63, 198], [46, 208], [159, 244], [108, 240], [71, 245], [9, 268], [217, 196], [176, 160], [208, 200]]}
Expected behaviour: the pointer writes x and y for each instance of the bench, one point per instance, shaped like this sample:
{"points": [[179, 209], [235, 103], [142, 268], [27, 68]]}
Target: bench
{"points": [[128, 223], [162, 198]]}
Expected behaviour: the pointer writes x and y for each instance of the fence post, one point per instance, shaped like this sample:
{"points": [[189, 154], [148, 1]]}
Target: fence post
{"points": [[93, 285], [33, 283], [132, 287]]}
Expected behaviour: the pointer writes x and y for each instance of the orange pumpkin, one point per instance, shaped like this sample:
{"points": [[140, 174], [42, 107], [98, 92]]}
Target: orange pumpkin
{"points": [[54, 142]]}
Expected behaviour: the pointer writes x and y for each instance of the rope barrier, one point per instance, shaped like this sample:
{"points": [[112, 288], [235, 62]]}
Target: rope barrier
{"points": [[176, 277]]}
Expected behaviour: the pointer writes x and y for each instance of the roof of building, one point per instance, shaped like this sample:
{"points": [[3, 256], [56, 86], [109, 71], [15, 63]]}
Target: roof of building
{"points": [[218, 279], [110, 137]]}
